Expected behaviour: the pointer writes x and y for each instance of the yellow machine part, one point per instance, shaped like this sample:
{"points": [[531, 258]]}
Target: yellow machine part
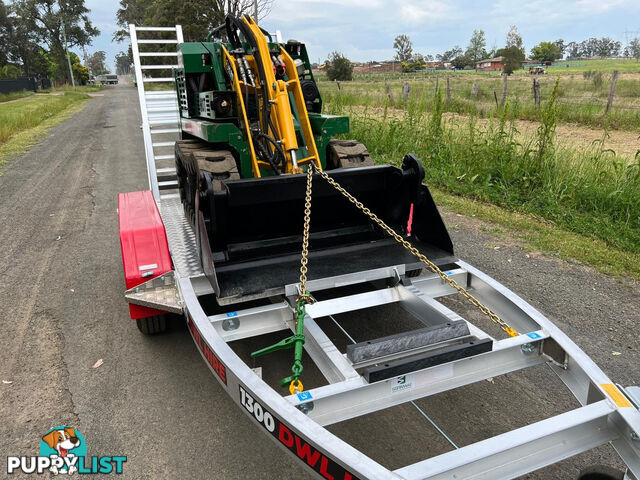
{"points": [[278, 94]]}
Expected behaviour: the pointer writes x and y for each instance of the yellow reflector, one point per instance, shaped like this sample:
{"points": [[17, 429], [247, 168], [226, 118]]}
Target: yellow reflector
{"points": [[616, 395]]}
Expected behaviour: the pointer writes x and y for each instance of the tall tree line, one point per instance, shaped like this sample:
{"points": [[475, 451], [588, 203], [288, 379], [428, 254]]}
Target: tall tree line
{"points": [[197, 17], [31, 32]]}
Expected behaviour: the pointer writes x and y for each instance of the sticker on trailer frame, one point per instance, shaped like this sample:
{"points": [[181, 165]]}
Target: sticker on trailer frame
{"points": [[232, 314], [207, 352], [292, 441], [534, 335], [402, 383], [304, 396]]}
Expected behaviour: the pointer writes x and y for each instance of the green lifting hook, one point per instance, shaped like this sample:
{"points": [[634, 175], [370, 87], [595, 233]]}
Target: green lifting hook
{"points": [[296, 342]]}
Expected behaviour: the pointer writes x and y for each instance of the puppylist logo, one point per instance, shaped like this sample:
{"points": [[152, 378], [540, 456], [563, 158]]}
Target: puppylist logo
{"points": [[63, 451]]}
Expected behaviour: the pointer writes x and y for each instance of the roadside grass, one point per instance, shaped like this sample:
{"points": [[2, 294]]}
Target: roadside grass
{"points": [[588, 192], [8, 97], [23, 124], [536, 234], [79, 88], [581, 98]]}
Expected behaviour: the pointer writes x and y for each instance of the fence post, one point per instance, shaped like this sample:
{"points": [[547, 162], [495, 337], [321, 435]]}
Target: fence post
{"points": [[406, 91], [435, 93], [474, 89], [389, 93], [338, 83], [536, 92], [448, 90], [612, 91], [504, 90]]}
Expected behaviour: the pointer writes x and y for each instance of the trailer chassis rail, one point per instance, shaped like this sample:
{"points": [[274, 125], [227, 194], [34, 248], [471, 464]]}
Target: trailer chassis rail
{"points": [[608, 412]]}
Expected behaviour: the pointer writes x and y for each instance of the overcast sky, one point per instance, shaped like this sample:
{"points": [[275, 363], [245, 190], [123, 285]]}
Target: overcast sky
{"points": [[365, 29]]}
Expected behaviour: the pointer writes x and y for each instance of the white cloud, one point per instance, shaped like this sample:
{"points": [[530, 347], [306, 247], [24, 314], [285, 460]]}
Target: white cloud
{"points": [[365, 29], [599, 6], [422, 11]]}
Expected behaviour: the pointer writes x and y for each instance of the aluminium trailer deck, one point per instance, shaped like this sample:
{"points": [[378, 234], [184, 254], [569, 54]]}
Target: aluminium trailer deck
{"points": [[609, 412], [398, 369]]}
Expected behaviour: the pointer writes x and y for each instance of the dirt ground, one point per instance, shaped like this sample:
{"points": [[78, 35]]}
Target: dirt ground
{"points": [[623, 143], [154, 399]]}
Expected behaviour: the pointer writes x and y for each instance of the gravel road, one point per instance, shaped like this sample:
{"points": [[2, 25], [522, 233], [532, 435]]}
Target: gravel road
{"points": [[154, 399]]}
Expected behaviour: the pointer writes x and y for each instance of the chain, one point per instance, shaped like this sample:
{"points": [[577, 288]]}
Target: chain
{"points": [[303, 295], [432, 266]]}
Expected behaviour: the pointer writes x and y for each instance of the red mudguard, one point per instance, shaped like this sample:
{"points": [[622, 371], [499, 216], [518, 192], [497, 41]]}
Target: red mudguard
{"points": [[143, 240]]}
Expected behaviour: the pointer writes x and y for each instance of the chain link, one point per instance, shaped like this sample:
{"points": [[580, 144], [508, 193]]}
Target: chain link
{"points": [[432, 266], [303, 295]]}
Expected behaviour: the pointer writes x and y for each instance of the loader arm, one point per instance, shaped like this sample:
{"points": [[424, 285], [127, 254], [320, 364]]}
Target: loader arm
{"points": [[273, 79]]}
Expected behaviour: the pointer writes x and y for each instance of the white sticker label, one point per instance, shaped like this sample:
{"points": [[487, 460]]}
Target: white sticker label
{"points": [[402, 383], [148, 267]]}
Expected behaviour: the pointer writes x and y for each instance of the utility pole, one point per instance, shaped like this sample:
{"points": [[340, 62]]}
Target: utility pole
{"points": [[64, 37], [255, 10]]}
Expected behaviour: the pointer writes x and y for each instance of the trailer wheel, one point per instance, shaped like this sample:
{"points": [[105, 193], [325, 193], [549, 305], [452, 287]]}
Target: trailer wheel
{"points": [[152, 325], [601, 472]]}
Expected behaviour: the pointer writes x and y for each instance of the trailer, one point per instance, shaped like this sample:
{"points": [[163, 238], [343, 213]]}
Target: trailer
{"points": [[442, 345]]}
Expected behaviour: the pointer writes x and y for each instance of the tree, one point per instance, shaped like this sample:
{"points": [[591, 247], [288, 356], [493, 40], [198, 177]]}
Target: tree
{"points": [[197, 17], [512, 59], [5, 32], [633, 49], [573, 50], [96, 63], [130, 11], [477, 47], [339, 67], [404, 48], [462, 61], [561, 46], [45, 19], [415, 63], [606, 47], [514, 39], [545, 52], [80, 72], [449, 54], [123, 64], [9, 71], [589, 47]]}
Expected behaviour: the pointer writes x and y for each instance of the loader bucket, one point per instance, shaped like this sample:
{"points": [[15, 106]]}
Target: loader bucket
{"points": [[251, 231]]}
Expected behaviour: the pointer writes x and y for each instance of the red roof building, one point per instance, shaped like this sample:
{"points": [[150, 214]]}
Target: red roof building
{"points": [[491, 64]]}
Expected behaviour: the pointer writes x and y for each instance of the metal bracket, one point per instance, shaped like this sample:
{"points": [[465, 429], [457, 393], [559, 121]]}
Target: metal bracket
{"points": [[160, 292], [555, 353]]}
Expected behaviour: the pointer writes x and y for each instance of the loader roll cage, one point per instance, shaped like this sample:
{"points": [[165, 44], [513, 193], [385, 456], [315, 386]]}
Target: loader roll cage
{"points": [[446, 349]]}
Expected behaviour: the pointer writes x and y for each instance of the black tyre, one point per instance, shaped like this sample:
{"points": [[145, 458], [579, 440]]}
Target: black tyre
{"points": [[601, 472], [152, 325]]}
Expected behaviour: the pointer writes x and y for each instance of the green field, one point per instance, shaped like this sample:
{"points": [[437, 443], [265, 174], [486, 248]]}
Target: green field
{"points": [[590, 193], [582, 98], [579, 66]]}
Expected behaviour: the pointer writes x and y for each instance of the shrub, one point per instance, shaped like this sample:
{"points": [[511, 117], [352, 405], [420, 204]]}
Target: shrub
{"points": [[339, 67]]}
